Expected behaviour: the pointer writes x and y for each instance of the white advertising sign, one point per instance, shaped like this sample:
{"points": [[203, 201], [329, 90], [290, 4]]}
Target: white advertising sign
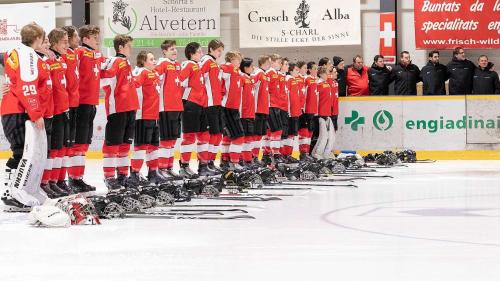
{"points": [[150, 22], [291, 23], [14, 16]]}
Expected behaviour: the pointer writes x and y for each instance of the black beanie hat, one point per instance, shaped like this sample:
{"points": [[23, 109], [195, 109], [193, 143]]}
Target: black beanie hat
{"points": [[337, 60]]}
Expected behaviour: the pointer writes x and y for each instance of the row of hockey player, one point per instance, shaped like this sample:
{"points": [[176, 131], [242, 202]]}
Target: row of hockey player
{"points": [[55, 81]]}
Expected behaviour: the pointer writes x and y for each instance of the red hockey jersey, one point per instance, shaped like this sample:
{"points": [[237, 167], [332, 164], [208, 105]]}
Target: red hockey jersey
{"points": [[301, 82], [292, 88], [171, 90], [22, 72], [231, 86], [148, 92], [90, 62], [283, 94], [45, 88], [247, 109], [212, 77], [311, 106], [274, 88], [58, 75], [72, 77], [192, 83], [118, 85], [261, 91], [325, 105]]}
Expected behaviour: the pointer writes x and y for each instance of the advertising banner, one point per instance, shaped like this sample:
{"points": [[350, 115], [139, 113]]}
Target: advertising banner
{"points": [[472, 24], [150, 22], [14, 16], [291, 23]]}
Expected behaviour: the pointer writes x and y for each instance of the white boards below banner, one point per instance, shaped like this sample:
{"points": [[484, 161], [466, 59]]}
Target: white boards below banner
{"points": [[294, 23], [150, 22], [14, 16]]}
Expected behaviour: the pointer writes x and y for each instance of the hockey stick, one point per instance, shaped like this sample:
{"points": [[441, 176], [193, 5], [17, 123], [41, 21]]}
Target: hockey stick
{"points": [[188, 217]]}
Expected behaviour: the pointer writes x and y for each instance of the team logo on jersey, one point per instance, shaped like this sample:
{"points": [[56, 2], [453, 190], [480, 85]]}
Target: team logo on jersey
{"points": [[122, 64], [170, 67], [70, 57], [13, 60], [124, 19], [55, 66]]}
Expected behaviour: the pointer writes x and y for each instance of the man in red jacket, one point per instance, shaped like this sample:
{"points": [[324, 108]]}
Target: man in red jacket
{"points": [[58, 39], [90, 60], [211, 73], [72, 86], [121, 103], [357, 78], [262, 107], [171, 107], [194, 119], [233, 138]]}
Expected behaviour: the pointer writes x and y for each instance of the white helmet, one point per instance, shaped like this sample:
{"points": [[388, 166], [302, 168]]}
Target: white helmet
{"points": [[49, 216]]}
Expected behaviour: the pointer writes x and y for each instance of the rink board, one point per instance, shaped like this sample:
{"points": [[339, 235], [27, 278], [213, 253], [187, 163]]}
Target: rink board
{"points": [[440, 127]]}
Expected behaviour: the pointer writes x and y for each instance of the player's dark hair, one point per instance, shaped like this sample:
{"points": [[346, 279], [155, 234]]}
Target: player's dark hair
{"points": [[245, 62], [191, 49]]}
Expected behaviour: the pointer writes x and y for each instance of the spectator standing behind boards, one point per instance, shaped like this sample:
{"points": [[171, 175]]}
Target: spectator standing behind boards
{"points": [[434, 75], [407, 75], [485, 80], [357, 78], [339, 64], [379, 77], [460, 71]]}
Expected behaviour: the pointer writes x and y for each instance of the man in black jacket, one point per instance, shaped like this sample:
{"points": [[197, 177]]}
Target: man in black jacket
{"points": [[407, 75], [339, 63], [460, 71], [485, 80], [379, 77], [434, 75]]}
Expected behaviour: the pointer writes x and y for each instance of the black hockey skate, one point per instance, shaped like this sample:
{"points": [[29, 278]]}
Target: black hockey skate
{"points": [[46, 188], [304, 157], [186, 172], [211, 166], [80, 186], [205, 171], [57, 190], [64, 186], [12, 205], [267, 160], [154, 177], [136, 179], [113, 184], [170, 174]]}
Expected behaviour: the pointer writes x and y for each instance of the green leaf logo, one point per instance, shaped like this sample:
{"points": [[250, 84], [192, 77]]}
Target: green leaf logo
{"points": [[383, 120]]}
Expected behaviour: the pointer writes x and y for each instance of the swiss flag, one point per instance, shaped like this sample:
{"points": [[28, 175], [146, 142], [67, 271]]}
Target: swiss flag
{"points": [[388, 37]]}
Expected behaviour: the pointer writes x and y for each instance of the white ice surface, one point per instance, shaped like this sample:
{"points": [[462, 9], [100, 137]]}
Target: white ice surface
{"points": [[431, 222]]}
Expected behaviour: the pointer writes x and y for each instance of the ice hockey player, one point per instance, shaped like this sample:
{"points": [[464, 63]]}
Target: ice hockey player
{"points": [[47, 101], [324, 145], [194, 119], [284, 107], [72, 87], [171, 107], [146, 138], [261, 91], [59, 143], [294, 110], [275, 120], [89, 59], [121, 103], [247, 112], [310, 109], [233, 136], [211, 73], [23, 68]]}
